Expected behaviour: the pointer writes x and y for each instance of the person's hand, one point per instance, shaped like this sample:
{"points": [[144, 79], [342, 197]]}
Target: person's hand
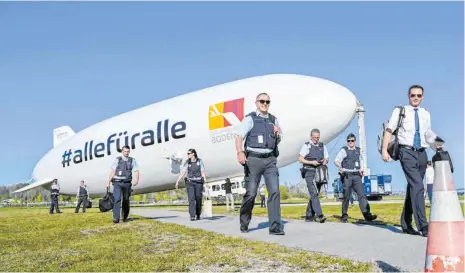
{"points": [[276, 129], [314, 163], [386, 156], [361, 173], [324, 162], [241, 158], [108, 184], [177, 182], [135, 184]]}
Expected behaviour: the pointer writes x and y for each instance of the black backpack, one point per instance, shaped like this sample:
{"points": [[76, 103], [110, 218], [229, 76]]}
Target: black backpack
{"points": [[89, 204], [442, 155], [106, 203]]}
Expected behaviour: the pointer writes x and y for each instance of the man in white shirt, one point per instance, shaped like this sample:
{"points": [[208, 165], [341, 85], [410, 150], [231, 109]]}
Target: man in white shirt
{"points": [[429, 180], [415, 136]]}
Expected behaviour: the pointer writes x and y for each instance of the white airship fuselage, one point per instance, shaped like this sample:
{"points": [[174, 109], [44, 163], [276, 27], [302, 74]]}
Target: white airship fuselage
{"points": [[160, 134]]}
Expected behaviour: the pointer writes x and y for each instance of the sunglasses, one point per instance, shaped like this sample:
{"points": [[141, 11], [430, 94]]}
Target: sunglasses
{"points": [[416, 95], [264, 101], [351, 140]]}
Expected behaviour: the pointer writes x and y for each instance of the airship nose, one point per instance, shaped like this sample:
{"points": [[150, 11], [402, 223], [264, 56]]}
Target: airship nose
{"points": [[344, 107], [305, 103], [332, 108]]}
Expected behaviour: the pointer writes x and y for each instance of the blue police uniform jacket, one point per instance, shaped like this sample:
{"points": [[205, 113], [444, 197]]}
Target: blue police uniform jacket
{"points": [[82, 191], [125, 167], [352, 160], [262, 133], [194, 170], [316, 152]]}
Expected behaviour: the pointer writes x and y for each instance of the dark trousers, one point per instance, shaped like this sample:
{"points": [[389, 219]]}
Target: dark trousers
{"points": [[414, 166], [262, 201], [82, 200], [194, 195], [54, 203], [258, 167], [123, 190], [353, 181], [314, 206]]}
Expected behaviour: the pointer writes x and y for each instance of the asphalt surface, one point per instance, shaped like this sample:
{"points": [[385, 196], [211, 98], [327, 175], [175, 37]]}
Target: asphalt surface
{"points": [[385, 245]]}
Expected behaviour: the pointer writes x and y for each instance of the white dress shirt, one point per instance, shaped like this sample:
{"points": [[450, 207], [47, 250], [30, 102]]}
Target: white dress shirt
{"points": [[406, 133], [429, 176]]}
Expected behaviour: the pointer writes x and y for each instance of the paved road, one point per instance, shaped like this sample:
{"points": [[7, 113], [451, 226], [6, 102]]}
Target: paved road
{"points": [[384, 245]]}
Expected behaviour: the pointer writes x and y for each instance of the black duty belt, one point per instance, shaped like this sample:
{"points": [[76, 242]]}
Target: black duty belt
{"points": [[421, 149], [116, 180], [259, 155]]}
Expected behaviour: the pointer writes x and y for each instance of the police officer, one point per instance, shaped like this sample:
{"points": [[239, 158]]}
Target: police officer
{"points": [[261, 133], [82, 195], [313, 154], [54, 193], [414, 136], [121, 176], [195, 180], [349, 160]]}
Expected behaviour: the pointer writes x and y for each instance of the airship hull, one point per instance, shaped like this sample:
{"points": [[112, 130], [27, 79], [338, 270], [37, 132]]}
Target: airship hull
{"points": [[207, 120]]}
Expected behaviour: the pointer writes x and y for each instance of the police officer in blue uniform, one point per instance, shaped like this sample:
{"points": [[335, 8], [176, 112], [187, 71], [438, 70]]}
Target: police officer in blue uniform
{"points": [[261, 133], [349, 162], [195, 180], [414, 136], [313, 154], [54, 193], [121, 177], [82, 196]]}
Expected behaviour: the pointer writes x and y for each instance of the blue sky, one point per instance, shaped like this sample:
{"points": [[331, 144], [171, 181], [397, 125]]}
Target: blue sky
{"points": [[79, 63]]}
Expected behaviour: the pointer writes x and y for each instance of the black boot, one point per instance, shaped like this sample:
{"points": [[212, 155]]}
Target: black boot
{"points": [[370, 217]]}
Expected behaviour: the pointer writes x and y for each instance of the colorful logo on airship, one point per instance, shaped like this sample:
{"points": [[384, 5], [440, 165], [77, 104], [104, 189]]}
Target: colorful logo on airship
{"points": [[226, 114]]}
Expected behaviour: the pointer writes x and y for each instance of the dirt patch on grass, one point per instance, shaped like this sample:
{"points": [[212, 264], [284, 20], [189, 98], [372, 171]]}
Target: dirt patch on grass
{"points": [[162, 243], [94, 231]]}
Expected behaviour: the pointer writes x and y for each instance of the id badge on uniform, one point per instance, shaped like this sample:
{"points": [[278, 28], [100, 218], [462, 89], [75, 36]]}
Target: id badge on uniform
{"points": [[120, 172], [260, 139], [356, 164]]}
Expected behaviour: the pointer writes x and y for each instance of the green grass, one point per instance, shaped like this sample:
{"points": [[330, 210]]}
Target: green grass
{"points": [[33, 240]]}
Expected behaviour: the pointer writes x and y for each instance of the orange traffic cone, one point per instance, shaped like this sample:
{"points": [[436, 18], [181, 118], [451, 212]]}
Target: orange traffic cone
{"points": [[445, 248]]}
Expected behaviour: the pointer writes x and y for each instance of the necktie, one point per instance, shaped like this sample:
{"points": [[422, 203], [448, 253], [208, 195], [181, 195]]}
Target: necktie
{"points": [[417, 140]]}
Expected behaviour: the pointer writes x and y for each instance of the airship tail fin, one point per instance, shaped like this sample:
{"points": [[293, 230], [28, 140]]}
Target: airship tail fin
{"points": [[60, 134], [35, 184]]}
